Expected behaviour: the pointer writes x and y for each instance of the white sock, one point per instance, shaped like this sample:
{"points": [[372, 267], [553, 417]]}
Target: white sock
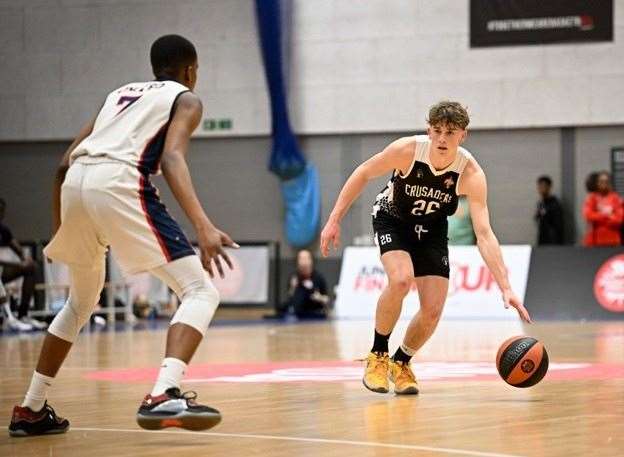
{"points": [[170, 375], [38, 391], [408, 350]]}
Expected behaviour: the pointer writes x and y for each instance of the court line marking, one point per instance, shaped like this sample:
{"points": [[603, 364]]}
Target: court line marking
{"points": [[412, 447]]}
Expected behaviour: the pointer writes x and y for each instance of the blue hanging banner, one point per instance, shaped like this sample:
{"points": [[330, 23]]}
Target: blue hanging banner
{"points": [[286, 160], [300, 182]]}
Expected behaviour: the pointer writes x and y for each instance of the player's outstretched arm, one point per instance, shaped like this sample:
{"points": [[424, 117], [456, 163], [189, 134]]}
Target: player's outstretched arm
{"points": [[475, 187], [188, 113], [61, 171], [398, 155]]}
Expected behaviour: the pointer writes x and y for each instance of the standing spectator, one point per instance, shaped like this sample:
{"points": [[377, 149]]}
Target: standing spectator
{"points": [[11, 271], [591, 182], [622, 226], [549, 215], [603, 212], [460, 230]]}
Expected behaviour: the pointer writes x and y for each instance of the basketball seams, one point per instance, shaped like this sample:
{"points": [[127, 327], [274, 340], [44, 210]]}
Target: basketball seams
{"points": [[534, 354], [513, 354], [503, 348]]}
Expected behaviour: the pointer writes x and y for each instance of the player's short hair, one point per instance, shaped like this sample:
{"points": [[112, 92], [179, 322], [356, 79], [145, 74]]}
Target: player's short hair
{"points": [[545, 179], [170, 53], [448, 113]]}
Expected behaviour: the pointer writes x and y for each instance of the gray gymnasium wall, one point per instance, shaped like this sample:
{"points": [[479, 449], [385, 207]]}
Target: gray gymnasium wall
{"points": [[368, 66], [244, 198], [351, 74]]}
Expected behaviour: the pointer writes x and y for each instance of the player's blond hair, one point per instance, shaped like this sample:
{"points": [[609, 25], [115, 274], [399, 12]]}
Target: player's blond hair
{"points": [[448, 113]]}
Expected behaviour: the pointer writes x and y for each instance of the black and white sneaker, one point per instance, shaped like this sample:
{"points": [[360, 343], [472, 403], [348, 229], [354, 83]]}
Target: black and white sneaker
{"points": [[176, 409], [26, 422]]}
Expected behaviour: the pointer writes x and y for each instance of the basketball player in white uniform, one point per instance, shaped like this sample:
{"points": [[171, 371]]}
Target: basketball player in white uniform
{"points": [[106, 199], [429, 172]]}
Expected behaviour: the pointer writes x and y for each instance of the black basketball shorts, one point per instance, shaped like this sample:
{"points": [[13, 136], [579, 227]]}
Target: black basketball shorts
{"points": [[427, 245]]}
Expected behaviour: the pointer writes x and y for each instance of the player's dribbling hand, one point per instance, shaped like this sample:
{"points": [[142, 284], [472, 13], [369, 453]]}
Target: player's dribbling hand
{"points": [[211, 243], [330, 234], [510, 299]]}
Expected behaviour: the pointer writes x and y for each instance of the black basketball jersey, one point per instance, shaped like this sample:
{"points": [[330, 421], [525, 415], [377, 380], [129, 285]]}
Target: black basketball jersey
{"points": [[423, 195]]}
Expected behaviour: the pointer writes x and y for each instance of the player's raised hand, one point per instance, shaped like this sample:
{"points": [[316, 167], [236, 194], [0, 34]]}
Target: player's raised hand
{"points": [[510, 299], [330, 234]]}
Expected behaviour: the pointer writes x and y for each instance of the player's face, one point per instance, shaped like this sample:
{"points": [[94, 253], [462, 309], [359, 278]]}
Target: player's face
{"points": [[446, 138]]}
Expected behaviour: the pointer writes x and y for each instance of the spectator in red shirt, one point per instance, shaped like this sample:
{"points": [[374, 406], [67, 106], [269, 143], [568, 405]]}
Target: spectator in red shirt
{"points": [[603, 212]]}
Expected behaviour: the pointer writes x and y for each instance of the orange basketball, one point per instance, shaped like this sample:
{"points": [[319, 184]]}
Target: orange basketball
{"points": [[522, 361]]}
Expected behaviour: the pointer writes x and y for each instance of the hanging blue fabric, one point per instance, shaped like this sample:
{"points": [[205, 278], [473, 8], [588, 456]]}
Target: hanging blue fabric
{"points": [[286, 160], [302, 201], [300, 181]]}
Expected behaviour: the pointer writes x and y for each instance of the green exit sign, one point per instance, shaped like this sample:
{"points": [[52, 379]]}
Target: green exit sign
{"points": [[217, 124]]}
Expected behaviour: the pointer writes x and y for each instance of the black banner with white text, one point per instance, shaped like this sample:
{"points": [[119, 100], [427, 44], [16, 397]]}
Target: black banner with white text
{"points": [[530, 22]]}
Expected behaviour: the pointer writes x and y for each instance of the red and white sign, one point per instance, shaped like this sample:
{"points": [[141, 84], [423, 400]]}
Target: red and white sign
{"points": [[609, 284], [473, 293]]}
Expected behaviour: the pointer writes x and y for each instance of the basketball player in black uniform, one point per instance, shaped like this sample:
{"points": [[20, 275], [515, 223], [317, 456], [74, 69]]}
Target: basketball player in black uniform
{"points": [[429, 172]]}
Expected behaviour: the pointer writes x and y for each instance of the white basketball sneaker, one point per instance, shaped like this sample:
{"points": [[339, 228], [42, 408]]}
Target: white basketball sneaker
{"points": [[12, 322], [34, 323]]}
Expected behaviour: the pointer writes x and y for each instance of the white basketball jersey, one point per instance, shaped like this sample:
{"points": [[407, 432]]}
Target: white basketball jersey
{"points": [[132, 125]]}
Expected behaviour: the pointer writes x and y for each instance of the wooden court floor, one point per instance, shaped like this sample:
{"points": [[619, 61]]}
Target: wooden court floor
{"points": [[294, 390]]}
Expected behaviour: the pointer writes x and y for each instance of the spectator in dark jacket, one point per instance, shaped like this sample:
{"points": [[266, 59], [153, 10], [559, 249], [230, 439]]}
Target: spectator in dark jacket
{"points": [[307, 291], [549, 215]]}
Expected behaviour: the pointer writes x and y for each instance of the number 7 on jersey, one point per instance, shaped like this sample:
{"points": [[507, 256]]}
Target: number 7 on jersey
{"points": [[126, 101]]}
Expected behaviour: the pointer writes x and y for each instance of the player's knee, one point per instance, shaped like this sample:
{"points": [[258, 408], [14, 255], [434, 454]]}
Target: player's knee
{"points": [[70, 320], [431, 314], [400, 284], [198, 306]]}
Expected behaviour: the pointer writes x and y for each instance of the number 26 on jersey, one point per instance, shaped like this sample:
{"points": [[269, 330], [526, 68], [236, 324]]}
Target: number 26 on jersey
{"points": [[422, 206]]}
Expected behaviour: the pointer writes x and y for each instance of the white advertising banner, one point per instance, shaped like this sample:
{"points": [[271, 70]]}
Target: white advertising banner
{"points": [[473, 293], [248, 282]]}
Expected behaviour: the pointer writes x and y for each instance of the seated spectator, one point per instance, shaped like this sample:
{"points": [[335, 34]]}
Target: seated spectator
{"points": [[549, 215], [307, 291], [603, 212], [11, 271], [460, 230]]}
